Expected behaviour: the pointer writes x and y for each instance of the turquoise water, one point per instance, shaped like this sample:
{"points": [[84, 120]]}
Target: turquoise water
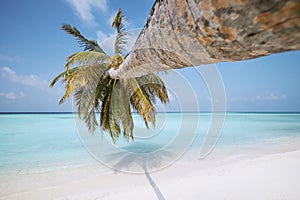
{"points": [[47, 141]]}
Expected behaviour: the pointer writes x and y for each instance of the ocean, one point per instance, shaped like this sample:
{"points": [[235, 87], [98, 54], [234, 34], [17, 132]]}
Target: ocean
{"points": [[37, 142]]}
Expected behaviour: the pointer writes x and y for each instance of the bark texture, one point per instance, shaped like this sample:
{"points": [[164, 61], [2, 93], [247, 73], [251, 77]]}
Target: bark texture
{"points": [[183, 33]]}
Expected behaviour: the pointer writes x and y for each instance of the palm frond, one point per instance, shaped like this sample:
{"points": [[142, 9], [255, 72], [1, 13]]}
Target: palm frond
{"points": [[107, 119], [82, 82], [115, 112], [89, 45], [100, 91], [140, 101], [86, 58], [63, 74], [120, 103], [70, 86], [121, 38], [120, 43], [84, 98], [154, 87], [118, 22]]}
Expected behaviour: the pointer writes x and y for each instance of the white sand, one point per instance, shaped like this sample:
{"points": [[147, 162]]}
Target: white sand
{"points": [[273, 175]]}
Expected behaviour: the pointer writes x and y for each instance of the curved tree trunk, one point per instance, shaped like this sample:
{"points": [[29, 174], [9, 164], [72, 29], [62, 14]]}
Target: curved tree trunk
{"points": [[183, 33]]}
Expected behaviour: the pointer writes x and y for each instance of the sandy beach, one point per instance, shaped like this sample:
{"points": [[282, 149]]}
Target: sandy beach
{"points": [[150, 100], [269, 171]]}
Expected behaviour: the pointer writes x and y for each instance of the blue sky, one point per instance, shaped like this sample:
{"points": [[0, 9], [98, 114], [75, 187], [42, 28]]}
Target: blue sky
{"points": [[33, 50]]}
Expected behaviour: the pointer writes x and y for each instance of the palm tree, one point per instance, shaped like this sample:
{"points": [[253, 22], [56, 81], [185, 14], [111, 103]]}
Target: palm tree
{"points": [[85, 76], [190, 33]]}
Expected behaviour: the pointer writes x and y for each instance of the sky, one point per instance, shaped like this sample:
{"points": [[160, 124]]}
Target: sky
{"points": [[33, 50]]}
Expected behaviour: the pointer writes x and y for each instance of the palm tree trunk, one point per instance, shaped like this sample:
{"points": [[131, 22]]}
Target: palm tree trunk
{"points": [[183, 33]]}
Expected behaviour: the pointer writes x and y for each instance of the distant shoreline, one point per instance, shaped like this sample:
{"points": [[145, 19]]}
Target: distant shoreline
{"points": [[204, 112]]}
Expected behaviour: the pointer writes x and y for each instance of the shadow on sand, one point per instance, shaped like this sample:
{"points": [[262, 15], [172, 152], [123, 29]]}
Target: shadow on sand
{"points": [[141, 158]]}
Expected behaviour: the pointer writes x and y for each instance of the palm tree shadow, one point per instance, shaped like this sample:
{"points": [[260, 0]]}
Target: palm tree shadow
{"points": [[141, 158]]}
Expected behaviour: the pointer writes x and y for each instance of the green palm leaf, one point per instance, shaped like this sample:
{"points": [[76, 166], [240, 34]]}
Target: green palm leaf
{"points": [[84, 98], [121, 38], [63, 75], [101, 90], [121, 110], [107, 119], [89, 45], [154, 87], [140, 101], [86, 58]]}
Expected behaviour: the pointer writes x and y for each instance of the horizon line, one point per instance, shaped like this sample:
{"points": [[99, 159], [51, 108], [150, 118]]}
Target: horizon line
{"points": [[69, 112]]}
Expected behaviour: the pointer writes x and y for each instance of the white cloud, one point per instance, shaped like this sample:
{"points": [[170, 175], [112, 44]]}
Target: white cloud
{"points": [[29, 80], [271, 96], [101, 37], [84, 8], [106, 41], [12, 95], [7, 58]]}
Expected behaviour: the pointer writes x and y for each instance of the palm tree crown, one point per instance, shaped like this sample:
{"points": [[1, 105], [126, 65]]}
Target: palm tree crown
{"points": [[94, 91]]}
